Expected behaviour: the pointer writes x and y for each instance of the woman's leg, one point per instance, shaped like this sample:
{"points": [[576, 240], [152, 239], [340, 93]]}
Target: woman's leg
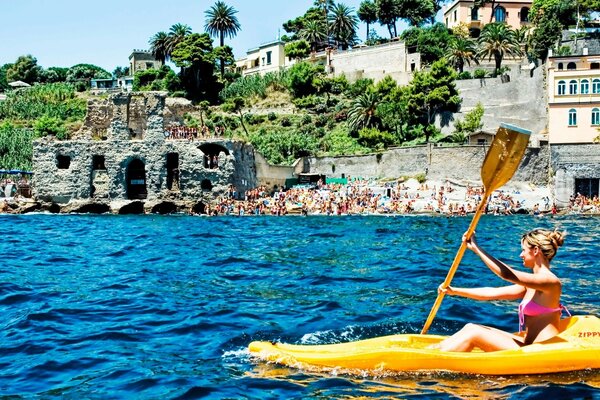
{"points": [[483, 337]]}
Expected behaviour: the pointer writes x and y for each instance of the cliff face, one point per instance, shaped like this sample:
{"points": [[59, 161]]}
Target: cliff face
{"points": [[124, 152]]}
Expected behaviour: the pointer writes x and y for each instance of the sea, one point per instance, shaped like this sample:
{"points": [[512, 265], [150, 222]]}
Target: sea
{"points": [[164, 307]]}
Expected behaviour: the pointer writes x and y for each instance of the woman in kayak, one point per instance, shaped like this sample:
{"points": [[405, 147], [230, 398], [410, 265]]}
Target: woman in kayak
{"points": [[540, 309]]}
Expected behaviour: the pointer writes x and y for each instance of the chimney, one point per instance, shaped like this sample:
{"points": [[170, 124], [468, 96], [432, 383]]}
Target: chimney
{"points": [[585, 51]]}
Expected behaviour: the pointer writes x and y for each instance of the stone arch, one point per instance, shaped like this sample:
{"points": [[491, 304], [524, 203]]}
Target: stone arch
{"points": [[136, 180], [199, 208], [211, 154]]}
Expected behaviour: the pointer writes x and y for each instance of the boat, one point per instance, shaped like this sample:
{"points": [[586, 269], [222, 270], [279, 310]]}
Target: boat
{"points": [[576, 348]]}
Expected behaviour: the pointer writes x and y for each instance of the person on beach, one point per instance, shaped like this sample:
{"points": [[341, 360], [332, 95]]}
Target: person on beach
{"points": [[540, 309]]}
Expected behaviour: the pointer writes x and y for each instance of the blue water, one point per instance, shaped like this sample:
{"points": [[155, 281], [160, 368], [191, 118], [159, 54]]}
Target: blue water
{"points": [[155, 307]]}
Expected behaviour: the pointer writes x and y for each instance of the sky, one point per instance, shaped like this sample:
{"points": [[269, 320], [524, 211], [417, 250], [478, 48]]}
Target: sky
{"points": [[62, 33]]}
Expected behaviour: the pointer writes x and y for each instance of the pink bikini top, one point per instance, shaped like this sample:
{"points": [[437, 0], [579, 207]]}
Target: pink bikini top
{"points": [[531, 309]]}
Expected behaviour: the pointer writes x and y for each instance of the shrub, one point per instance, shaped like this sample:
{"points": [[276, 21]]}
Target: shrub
{"points": [[45, 126], [285, 121], [16, 149], [374, 138], [306, 119], [307, 101], [178, 93], [464, 75], [321, 120], [272, 116], [479, 73]]}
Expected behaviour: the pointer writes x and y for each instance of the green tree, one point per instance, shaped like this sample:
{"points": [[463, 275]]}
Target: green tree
{"points": [[432, 93], [416, 12], [54, 75], [3, 80], [343, 23], [221, 21], [393, 110], [460, 51], [24, 69], [81, 75], [375, 139], [367, 13], [195, 56], [297, 49], [388, 13], [325, 7], [236, 106], [470, 124], [301, 78], [120, 72], [498, 40], [432, 42]]}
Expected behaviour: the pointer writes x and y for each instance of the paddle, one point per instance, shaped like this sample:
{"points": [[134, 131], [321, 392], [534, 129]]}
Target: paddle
{"points": [[500, 163]]}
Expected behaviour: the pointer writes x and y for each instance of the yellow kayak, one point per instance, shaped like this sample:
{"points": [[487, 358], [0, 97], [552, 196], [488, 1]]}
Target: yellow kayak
{"points": [[577, 347]]}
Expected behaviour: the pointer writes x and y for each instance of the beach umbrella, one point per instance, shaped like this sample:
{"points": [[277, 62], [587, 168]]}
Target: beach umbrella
{"points": [[500, 163], [18, 84]]}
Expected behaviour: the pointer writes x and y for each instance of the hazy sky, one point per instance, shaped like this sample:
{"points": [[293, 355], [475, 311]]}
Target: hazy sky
{"points": [[63, 33]]}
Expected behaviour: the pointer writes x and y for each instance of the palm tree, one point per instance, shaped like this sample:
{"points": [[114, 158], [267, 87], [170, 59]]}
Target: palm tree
{"points": [[221, 21], [159, 46], [460, 51], [498, 40], [362, 113], [343, 25], [177, 33], [325, 6], [367, 13], [313, 32]]}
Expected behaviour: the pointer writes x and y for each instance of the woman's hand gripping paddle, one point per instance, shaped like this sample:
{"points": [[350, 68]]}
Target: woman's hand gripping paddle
{"points": [[500, 163]]}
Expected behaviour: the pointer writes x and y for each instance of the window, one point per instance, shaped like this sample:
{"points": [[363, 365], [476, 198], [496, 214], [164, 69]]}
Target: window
{"points": [[562, 88], [595, 65], [560, 66], [475, 14], [595, 116], [524, 14], [571, 66], [500, 14], [572, 117], [63, 162], [572, 86], [455, 15], [596, 86], [585, 86], [98, 163], [269, 57]]}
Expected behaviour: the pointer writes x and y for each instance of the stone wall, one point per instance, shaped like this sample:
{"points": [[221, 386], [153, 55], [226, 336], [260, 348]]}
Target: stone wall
{"points": [[438, 163], [570, 162], [376, 62], [522, 101]]}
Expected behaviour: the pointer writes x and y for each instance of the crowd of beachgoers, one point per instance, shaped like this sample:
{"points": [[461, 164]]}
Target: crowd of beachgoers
{"points": [[360, 197]]}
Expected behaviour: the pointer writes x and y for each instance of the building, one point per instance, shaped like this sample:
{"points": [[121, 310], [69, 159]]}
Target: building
{"points": [[573, 121], [374, 62], [140, 60], [268, 57], [573, 99], [124, 159], [124, 83], [514, 12]]}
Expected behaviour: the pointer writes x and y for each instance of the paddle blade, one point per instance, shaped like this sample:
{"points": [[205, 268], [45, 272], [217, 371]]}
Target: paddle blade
{"points": [[504, 156]]}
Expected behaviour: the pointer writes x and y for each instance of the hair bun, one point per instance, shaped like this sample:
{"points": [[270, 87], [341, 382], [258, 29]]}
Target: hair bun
{"points": [[557, 238]]}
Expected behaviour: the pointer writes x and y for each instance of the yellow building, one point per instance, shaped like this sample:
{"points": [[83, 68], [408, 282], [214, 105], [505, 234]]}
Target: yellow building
{"points": [[268, 57], [514, 12], [573, 99]]}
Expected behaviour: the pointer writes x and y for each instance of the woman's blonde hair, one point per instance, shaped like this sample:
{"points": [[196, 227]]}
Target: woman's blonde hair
{"points": [[547, 241]]}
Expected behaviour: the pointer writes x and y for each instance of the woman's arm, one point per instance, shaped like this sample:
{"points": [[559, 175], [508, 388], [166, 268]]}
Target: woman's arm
{"points": [[541, 282], [511, 292]]}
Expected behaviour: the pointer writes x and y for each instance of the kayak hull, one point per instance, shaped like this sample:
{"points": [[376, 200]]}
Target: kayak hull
{"points": [[577, 347]]}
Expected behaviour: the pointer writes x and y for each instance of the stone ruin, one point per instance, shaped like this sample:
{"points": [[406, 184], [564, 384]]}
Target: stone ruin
{"points": [[124, 159]]}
